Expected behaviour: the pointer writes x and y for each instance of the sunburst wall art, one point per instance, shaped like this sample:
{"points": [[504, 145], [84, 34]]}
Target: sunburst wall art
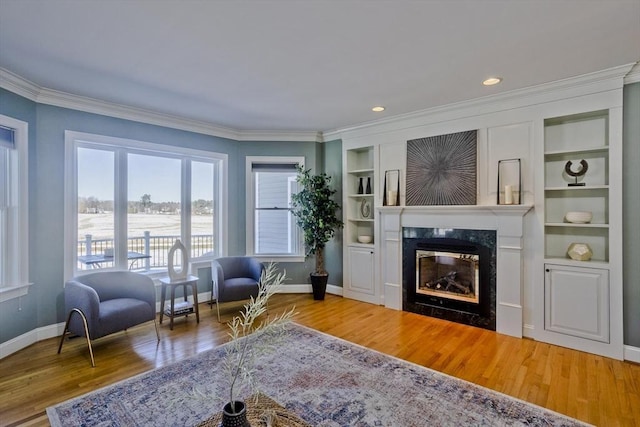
{"points": [[441, 170]]}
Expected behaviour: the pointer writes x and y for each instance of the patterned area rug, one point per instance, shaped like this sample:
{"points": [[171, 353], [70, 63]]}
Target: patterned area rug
{"points": [[325, 380]]}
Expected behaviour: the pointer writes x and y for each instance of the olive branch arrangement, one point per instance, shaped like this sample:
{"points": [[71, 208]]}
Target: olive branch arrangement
{"points": [[249, 340]]}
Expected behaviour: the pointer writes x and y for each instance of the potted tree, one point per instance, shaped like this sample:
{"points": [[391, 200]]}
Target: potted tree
{"points": [[315, 212]]}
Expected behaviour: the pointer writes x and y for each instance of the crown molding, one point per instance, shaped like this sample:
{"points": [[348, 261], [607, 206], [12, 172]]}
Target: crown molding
{"points": [[289, 136], [633, 76], [599, 81], [23, 87], [16, 84], [608, 79]]}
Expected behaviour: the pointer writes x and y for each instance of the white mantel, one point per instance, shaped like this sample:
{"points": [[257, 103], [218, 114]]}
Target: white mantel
{"points": [[507, 220]]}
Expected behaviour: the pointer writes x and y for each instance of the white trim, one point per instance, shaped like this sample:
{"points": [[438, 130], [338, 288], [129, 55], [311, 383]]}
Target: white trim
{"points": [[632, 354], [52, 331], [11, 292], [528, 331], [595, 82], [33, 336], [120, 147], [307, 289], [541, 93], [633, 76], [250, 196], [18, 239], [32, 91]]}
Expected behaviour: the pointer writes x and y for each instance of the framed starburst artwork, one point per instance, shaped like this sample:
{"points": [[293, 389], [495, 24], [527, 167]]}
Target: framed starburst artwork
{"points": [[441, 170]]}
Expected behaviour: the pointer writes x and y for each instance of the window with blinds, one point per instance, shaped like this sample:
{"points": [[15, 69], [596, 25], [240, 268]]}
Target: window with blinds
{"points": [[272, 231]]}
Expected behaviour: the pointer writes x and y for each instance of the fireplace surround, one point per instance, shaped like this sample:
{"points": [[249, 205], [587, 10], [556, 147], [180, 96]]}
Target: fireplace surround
{"points": [[450, 274], [506, 221]]}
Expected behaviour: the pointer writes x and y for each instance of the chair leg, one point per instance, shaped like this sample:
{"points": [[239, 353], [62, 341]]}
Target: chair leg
{"points": [[218, 310], [86, 332], [155, 323]]}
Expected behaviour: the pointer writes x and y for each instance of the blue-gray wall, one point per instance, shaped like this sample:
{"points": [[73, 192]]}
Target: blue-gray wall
{"points": [[630, 212], [43, 305]]}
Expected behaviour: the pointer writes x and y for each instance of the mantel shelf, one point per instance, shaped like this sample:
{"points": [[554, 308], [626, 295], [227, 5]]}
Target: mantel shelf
{"points": [[520, 210]]}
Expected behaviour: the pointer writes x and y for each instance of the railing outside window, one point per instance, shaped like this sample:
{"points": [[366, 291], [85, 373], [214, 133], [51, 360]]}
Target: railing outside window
{"points": [[156, 247]]}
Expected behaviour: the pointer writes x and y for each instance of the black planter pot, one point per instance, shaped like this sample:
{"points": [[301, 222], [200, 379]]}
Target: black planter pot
{"points": [[237, 419], [319, 285]]}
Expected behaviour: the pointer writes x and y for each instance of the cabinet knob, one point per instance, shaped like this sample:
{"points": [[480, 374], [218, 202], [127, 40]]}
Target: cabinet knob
{"points": [[547, 270]]}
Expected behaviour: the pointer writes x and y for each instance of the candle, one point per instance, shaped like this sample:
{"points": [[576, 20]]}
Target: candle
{"points": [[508, 195], [391, 198]]}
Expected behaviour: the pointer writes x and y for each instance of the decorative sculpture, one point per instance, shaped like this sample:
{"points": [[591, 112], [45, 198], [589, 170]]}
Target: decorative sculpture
{"points": [[583, 170], [579, 252], [183, 271]]}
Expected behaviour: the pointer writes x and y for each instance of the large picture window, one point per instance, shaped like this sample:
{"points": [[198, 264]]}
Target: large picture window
{"points": [[14, 191], [128, 201], [272, 233]]}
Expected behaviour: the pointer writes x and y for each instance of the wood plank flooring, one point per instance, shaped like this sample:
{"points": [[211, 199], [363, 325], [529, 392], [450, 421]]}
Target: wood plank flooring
{"points": [[594, 389]]}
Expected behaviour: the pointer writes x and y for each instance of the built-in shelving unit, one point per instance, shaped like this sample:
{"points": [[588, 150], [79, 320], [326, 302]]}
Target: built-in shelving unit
{"points": [[360, 189], [579, 296], [360, 278], [573, 139]]}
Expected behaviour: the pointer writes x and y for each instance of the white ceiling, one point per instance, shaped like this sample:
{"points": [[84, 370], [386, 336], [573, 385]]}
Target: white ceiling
{"points": [[285, 65]]}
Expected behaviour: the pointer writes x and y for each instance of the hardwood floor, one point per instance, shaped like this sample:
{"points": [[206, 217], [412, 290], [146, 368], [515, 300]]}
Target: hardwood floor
{"points": [[591, 388]]}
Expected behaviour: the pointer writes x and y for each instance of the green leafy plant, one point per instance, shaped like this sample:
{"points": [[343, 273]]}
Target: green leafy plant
{"points": [[250, 338], [315, 212]]}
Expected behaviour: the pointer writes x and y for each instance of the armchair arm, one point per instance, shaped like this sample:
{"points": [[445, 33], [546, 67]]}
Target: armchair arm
{"points": [[255, 268], [84, 298], [217, 277]]}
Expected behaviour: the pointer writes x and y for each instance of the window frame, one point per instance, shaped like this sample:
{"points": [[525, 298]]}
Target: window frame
{"points": [[122, 147], [251, 209], [17, 238]]}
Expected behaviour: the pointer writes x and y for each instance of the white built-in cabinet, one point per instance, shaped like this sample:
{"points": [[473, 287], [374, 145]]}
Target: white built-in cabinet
{"points": [[361, 278], [577, 301], [583, 298], [562, 301], [359, 201]]}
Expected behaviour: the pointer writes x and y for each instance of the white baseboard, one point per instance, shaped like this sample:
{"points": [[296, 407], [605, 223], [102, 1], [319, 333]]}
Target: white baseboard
{"points": [[31, 337], [25, 340], [528, 331], [632, 354], [306, 289]]}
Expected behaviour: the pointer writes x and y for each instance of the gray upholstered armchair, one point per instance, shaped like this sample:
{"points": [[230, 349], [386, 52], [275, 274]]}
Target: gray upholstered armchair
{"points": [[234, 279], [102, 303]]}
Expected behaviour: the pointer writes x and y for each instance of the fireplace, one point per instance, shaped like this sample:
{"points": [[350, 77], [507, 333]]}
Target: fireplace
{"points": [[450, 274]]}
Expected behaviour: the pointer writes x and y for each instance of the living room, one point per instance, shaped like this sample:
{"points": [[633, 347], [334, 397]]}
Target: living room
{"points": [[509, 123]]}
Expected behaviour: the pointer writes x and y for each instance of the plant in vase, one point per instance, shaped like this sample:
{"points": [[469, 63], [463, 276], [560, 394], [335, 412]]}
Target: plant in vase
{"points": [[249, 339], [315, 212]]}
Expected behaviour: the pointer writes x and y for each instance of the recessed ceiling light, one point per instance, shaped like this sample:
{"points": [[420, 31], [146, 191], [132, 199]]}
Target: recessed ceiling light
{"points": [[492, 81], [378, 108]]}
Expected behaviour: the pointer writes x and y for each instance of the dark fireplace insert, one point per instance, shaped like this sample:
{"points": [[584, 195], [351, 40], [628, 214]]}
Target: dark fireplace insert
{"points": [[450, 278]]}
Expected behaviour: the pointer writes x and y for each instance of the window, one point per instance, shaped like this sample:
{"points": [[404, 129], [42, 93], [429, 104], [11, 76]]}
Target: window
{"points": [[128, 201], [14, 235], [271, 229]]}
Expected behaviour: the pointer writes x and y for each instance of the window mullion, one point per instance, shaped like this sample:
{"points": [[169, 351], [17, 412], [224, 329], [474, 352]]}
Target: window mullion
{"points": [[185, 211], [120, 208]]}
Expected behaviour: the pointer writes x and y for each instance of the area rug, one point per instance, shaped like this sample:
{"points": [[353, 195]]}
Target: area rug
{"points": [[326, 381]]}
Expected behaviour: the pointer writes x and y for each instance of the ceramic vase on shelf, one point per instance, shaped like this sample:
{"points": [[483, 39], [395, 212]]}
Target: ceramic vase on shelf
{"points": [[360, 188], [237, 418], [368, 185]]}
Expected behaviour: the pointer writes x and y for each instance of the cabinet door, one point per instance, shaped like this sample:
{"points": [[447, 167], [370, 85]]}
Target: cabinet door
{"points": [[577, 301], [361, 272]]}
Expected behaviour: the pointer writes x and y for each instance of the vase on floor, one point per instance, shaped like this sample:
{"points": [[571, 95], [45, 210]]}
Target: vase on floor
{"points": [[237, 418]]}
